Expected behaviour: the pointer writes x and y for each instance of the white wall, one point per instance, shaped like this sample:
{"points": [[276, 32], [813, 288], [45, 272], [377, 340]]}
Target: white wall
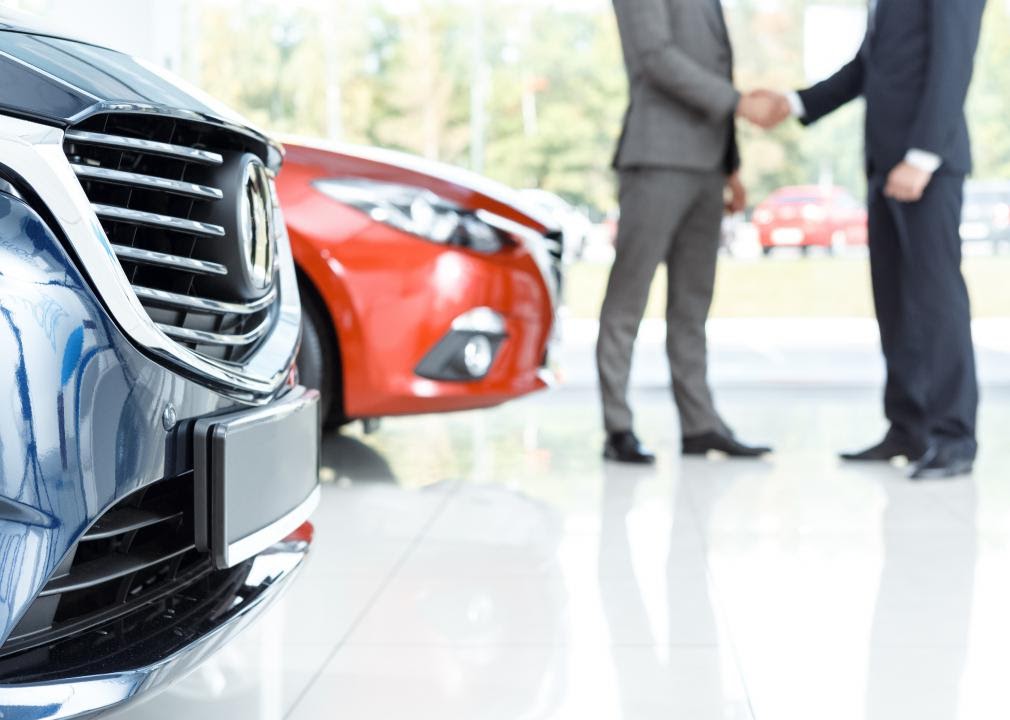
{"points": [[833, 36], [150, 29]]}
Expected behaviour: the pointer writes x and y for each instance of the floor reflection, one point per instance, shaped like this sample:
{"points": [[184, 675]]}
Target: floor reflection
{"points": [[657, 682], [243, 680], [469, 620], [347, 459], [923, 616], [491, 566]]}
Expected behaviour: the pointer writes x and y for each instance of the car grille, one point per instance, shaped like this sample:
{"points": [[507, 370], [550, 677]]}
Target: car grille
{"points": [[138, 554], [167, 194]]}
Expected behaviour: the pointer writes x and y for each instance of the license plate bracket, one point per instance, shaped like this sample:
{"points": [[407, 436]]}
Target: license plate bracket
{"points": [[256, 476]]}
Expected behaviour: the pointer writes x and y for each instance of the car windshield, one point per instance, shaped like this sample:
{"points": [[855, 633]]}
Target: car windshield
{"points": [[798, 200]]}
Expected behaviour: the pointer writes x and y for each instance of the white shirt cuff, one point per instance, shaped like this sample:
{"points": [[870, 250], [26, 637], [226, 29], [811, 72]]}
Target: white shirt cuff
{"points": [[796, 104], [923, 160]]}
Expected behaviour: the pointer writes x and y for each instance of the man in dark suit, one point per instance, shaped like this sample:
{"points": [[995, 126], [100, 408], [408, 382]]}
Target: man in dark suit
{"points": [[676, 158], [914, 69]]}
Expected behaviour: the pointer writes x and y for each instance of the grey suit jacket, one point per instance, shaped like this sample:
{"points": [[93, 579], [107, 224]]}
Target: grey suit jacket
{"points": [[680, 69]]}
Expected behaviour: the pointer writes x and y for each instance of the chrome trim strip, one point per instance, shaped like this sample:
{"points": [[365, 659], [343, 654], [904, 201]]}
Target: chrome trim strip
{"points": [[198, 304], [167, 222], [249, 546], [220, 120], [34, 152], [150, 257], [85, 695], [121, 177], [121, 142], [203, 337]]}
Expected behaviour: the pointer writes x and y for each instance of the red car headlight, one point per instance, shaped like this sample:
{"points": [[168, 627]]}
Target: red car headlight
{"points": [[416, 211]]}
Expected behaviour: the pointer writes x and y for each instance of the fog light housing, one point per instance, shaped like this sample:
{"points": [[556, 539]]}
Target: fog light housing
{"points": [[478, 354], [468, 352]]}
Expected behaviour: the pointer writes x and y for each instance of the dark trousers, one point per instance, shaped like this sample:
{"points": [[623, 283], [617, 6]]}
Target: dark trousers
{"points": [[925, 316]]}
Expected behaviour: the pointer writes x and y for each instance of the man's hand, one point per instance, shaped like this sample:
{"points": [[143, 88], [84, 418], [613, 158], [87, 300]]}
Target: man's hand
{"points": [[736, 196], [907, 183], [764, 108]]}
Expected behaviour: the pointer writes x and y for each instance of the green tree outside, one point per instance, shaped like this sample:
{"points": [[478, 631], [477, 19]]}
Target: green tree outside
{"points": [[400, 76]]}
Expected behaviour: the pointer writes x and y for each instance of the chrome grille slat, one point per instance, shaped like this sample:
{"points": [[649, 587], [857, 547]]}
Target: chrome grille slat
{"points": [[203, 337], [150, 257], [190, 303], [139, 217], [139, 145], [151, 182], [168, 192]]}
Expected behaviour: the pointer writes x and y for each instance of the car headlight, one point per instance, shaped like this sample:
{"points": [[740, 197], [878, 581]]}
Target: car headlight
{"points": [[416, 211]]}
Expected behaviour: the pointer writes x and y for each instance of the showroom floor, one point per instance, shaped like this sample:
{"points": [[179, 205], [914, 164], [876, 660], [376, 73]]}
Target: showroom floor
{"points": [[489, 565]]}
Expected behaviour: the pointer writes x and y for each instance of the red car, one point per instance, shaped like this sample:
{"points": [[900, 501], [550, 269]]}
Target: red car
{"points": [[810, 216], [425, 288]]}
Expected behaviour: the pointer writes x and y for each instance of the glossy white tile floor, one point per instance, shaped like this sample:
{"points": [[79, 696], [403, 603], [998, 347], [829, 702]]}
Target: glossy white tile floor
{"points": [[491, 566]]}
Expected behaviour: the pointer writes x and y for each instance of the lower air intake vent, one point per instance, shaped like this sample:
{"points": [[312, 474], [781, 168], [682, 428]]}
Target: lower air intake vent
{"points": [[137, 555]]}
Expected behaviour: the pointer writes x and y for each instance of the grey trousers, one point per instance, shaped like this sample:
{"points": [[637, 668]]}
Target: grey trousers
{"points": [[670, 216]]}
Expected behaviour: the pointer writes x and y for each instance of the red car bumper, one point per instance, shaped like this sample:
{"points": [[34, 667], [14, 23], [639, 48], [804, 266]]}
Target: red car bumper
{"points": [[782, 235], [795, 236]]}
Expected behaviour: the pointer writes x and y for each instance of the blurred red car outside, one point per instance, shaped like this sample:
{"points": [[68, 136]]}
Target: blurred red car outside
{"points": [[809, 216]]}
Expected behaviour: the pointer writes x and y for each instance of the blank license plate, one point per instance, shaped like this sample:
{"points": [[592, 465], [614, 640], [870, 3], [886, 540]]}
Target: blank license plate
{"points": [[256, 476], [788, 236]]}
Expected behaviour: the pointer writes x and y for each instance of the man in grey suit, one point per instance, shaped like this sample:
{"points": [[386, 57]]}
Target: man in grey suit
{"points": [[677, 160]]}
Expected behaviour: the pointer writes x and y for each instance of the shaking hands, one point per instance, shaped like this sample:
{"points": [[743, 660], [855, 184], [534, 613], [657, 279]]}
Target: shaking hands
{"points": [[765, 108]]}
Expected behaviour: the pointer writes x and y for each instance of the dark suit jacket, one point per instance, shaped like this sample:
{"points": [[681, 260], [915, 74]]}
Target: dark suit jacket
{"points": [[680, 70], [914, 70]]}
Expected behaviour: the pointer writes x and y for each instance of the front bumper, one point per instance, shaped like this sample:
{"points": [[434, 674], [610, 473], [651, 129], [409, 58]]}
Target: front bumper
{"points": [[82, 696], [383, 342], [86, 421]]}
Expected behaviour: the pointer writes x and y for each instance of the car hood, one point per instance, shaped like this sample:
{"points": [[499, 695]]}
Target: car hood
{"points": [[57, 80], [466, 188]]}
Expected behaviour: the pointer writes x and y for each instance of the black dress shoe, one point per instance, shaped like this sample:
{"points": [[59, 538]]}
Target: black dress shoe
{"points": [[938, 465], [885, 451], [624, 447], [702, 444]]}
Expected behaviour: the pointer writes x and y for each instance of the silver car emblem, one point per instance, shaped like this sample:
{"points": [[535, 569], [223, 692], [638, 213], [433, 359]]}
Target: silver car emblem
{"points": [[256, 224]]}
